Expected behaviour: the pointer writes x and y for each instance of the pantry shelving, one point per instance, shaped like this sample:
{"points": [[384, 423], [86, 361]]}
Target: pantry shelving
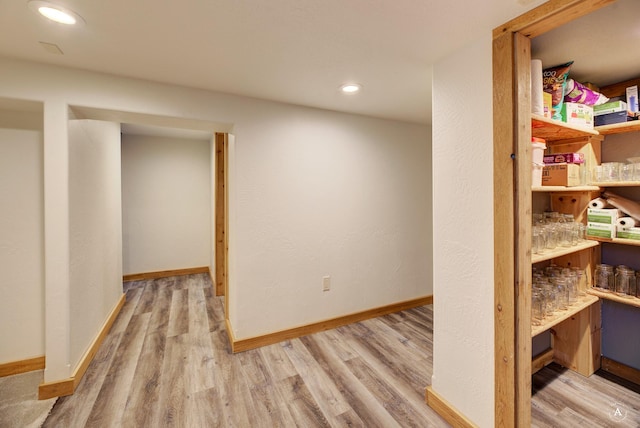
{"points": [[617, 184], [563, 251], [566, 189], [625, 300], [553, 130], [560, 316], [619, 128], [621, 241]]}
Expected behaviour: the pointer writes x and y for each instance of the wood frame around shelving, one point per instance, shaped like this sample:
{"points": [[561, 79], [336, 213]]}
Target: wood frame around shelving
{"points": [[512, 206]]}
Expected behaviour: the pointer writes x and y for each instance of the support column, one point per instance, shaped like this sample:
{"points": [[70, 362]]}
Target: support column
{"points": [[56, 247]]}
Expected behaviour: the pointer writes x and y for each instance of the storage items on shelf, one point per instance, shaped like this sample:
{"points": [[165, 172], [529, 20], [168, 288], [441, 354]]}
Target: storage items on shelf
{"points": [[623, 281], [554, 289], [552, 230]]}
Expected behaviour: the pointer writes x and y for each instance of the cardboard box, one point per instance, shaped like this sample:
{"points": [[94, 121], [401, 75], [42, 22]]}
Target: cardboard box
{"points": [[628, 232], [610, 107], [564, 158], [603, 215], [611, 118], [561, 174], [601, 230], [577, 114]]}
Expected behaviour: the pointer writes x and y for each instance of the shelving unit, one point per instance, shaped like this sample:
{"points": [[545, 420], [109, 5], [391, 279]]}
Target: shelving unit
{"points": [[553, 130], [631, 301], [563, 251], [555, 319], [576, 330], [619, 128], [565, 189], [621, 241], [617, 184]]}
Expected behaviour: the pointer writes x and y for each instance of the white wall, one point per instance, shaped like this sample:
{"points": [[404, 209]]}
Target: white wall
{"points": [[21, 238], [166, 203], [95, 229], [463, 360], [316, 193]]}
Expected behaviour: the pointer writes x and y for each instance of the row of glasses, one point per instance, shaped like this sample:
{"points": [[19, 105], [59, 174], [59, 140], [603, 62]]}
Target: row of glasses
{"points": [[622, 280], [552, 230], [616, 171], [554, 289]]}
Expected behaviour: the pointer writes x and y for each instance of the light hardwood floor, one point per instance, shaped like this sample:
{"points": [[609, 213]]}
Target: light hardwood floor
{"points": [[166, 362]]}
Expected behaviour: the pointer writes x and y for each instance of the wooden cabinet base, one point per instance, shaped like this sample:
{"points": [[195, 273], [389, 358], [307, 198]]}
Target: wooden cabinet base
{"points": [[576, 341]]}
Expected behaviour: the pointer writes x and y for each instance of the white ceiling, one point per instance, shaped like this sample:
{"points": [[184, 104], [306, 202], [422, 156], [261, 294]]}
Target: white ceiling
{"points": [[294, 51]]}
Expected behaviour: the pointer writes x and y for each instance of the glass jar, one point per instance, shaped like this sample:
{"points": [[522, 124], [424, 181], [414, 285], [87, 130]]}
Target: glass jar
{"points": [[623, 278], [603, 278]]}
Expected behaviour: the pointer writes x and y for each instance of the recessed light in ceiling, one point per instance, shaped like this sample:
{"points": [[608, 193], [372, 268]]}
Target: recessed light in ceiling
{"points": [[351, 88], [56, 13]]}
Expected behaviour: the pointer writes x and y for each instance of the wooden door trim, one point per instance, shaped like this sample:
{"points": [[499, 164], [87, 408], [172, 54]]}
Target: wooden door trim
{"points": [[220, 215], [512, 202]]}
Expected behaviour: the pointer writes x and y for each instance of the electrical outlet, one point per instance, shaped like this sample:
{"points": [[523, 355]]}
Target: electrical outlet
{"points": [[326, 283]]}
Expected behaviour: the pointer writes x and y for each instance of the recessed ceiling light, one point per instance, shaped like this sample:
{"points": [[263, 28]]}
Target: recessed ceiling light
{"points": [[56, 13], [350, 88]]}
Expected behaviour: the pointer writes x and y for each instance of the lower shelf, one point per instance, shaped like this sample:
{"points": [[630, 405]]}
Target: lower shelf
{"points": [[632, 301], [555, 319]]}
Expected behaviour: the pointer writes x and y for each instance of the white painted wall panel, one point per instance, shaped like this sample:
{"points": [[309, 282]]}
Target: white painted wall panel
{"points": [[463, 360], [166, 194], [95, 229], [316, 193], [21, 243]]}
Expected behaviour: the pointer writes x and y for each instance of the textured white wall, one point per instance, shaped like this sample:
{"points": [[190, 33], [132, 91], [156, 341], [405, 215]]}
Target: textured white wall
{"points": [[95, 229], [166, 203], [316, 193], [21, 241], [463, 360]]}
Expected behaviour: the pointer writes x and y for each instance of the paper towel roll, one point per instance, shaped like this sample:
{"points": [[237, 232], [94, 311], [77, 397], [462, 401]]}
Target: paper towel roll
{"points": [[537, 106], [627, 222], [598, 203]]}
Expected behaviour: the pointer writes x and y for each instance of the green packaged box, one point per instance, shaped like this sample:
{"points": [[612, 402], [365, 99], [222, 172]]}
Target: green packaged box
{"points": [[610, 107], [628, 232], [601, 230], [603, 215]]}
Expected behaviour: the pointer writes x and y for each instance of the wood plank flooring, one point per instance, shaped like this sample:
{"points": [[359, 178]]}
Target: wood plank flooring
{"points": [[167, 362]]}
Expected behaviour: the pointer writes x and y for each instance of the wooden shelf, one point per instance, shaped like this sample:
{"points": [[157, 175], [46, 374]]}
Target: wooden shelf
{"points": [[621, 241], [619, 128], [554, 130], [566, 189], [563, 251], [558, 317], [632, 301], [618, 184]]}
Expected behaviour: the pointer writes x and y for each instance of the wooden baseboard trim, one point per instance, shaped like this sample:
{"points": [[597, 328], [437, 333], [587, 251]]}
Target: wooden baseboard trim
{"points": [[22, 366], [232, 339], [446, 410], [165, 273], [541, 360], [279, 336], [68, 386], [621, 370]]}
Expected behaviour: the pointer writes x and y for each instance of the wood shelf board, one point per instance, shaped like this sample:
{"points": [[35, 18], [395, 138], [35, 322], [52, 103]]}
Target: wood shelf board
{"points": [[631, 301], [563, 251], [554, 130], [618, 184], [619, 128], [566, 189], [549, 322], [621, 241]]}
